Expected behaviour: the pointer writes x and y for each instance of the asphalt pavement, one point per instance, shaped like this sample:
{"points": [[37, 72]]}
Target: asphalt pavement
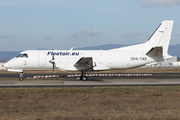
{"points": [[98, 80]]}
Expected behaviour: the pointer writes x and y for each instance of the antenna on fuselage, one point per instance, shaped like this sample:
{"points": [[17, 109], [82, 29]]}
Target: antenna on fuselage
{"points": [[71, 48]]}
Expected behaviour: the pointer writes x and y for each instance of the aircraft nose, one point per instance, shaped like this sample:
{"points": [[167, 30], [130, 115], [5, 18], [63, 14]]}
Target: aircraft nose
{"points": [[6, 65]]}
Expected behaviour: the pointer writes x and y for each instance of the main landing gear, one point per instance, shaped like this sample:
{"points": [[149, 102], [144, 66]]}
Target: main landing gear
{"points": [[83, 76], [21, 78]]}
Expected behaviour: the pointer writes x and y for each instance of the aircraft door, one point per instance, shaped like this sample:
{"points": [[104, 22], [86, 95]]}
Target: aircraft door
{"points": [[42, 59]]}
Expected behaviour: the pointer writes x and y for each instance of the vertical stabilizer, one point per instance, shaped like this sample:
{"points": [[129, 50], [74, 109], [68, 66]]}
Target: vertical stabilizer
{"points": [[161, 37]]}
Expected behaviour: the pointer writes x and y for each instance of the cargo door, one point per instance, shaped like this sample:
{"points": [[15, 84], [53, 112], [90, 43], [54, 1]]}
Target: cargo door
{"points": [[42, 59]]}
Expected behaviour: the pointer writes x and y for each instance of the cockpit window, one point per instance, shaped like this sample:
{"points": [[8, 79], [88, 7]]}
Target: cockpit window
{"points": [[22, 56], [18, 55]]}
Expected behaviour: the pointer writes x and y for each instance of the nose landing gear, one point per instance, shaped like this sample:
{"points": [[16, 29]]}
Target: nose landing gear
{"points": [[21, 78]]}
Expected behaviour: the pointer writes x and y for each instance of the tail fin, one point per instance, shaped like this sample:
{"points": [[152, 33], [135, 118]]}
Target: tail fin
{"points": [[160, 38]]}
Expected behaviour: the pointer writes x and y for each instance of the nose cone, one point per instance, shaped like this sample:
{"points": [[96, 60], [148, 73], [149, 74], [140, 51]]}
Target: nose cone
{"points": [[6, 65]]}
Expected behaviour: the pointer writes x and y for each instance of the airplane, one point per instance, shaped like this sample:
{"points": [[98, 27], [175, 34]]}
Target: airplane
{"points": [[154, 50]]}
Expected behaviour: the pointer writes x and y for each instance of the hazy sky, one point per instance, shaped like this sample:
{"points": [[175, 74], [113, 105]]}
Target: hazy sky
{"points": [[62, 24]]}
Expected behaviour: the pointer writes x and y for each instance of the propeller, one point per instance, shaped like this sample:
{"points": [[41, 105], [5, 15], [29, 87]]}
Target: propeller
{"points": [[52, 61]]}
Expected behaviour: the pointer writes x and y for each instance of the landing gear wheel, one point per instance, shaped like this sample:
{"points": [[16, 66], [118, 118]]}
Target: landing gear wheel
{"points": [[84, 78], [81, 77], [21, 78]]}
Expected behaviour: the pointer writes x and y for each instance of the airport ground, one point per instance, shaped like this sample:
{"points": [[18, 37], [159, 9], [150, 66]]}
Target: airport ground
{"points": [[92, 103]]}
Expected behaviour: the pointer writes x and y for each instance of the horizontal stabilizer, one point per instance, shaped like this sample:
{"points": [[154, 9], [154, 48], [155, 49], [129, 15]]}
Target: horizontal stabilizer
{"points": [[155, 52]]}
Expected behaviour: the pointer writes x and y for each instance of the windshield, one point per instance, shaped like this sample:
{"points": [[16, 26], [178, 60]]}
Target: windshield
{"points": [[22, 56], [18, 55]]}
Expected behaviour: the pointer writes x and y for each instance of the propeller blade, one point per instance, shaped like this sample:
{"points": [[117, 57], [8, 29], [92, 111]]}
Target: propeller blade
{"points": [[53, 56], [53, 66], [53, 61]]}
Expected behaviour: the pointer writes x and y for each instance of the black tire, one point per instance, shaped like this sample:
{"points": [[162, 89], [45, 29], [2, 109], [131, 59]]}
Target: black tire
{"points": [[21, 78], [81, 77], [84, 78]]}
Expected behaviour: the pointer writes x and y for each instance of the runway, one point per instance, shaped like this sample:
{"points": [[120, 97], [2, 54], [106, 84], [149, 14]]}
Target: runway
{"points": [[113, 75], [98, 81]]}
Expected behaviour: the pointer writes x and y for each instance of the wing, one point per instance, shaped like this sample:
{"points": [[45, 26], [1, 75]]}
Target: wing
{"points": [[84, 63]]}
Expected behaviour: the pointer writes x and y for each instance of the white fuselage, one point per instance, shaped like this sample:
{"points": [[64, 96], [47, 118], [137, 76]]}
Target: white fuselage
{"points": [[65, 59]]}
